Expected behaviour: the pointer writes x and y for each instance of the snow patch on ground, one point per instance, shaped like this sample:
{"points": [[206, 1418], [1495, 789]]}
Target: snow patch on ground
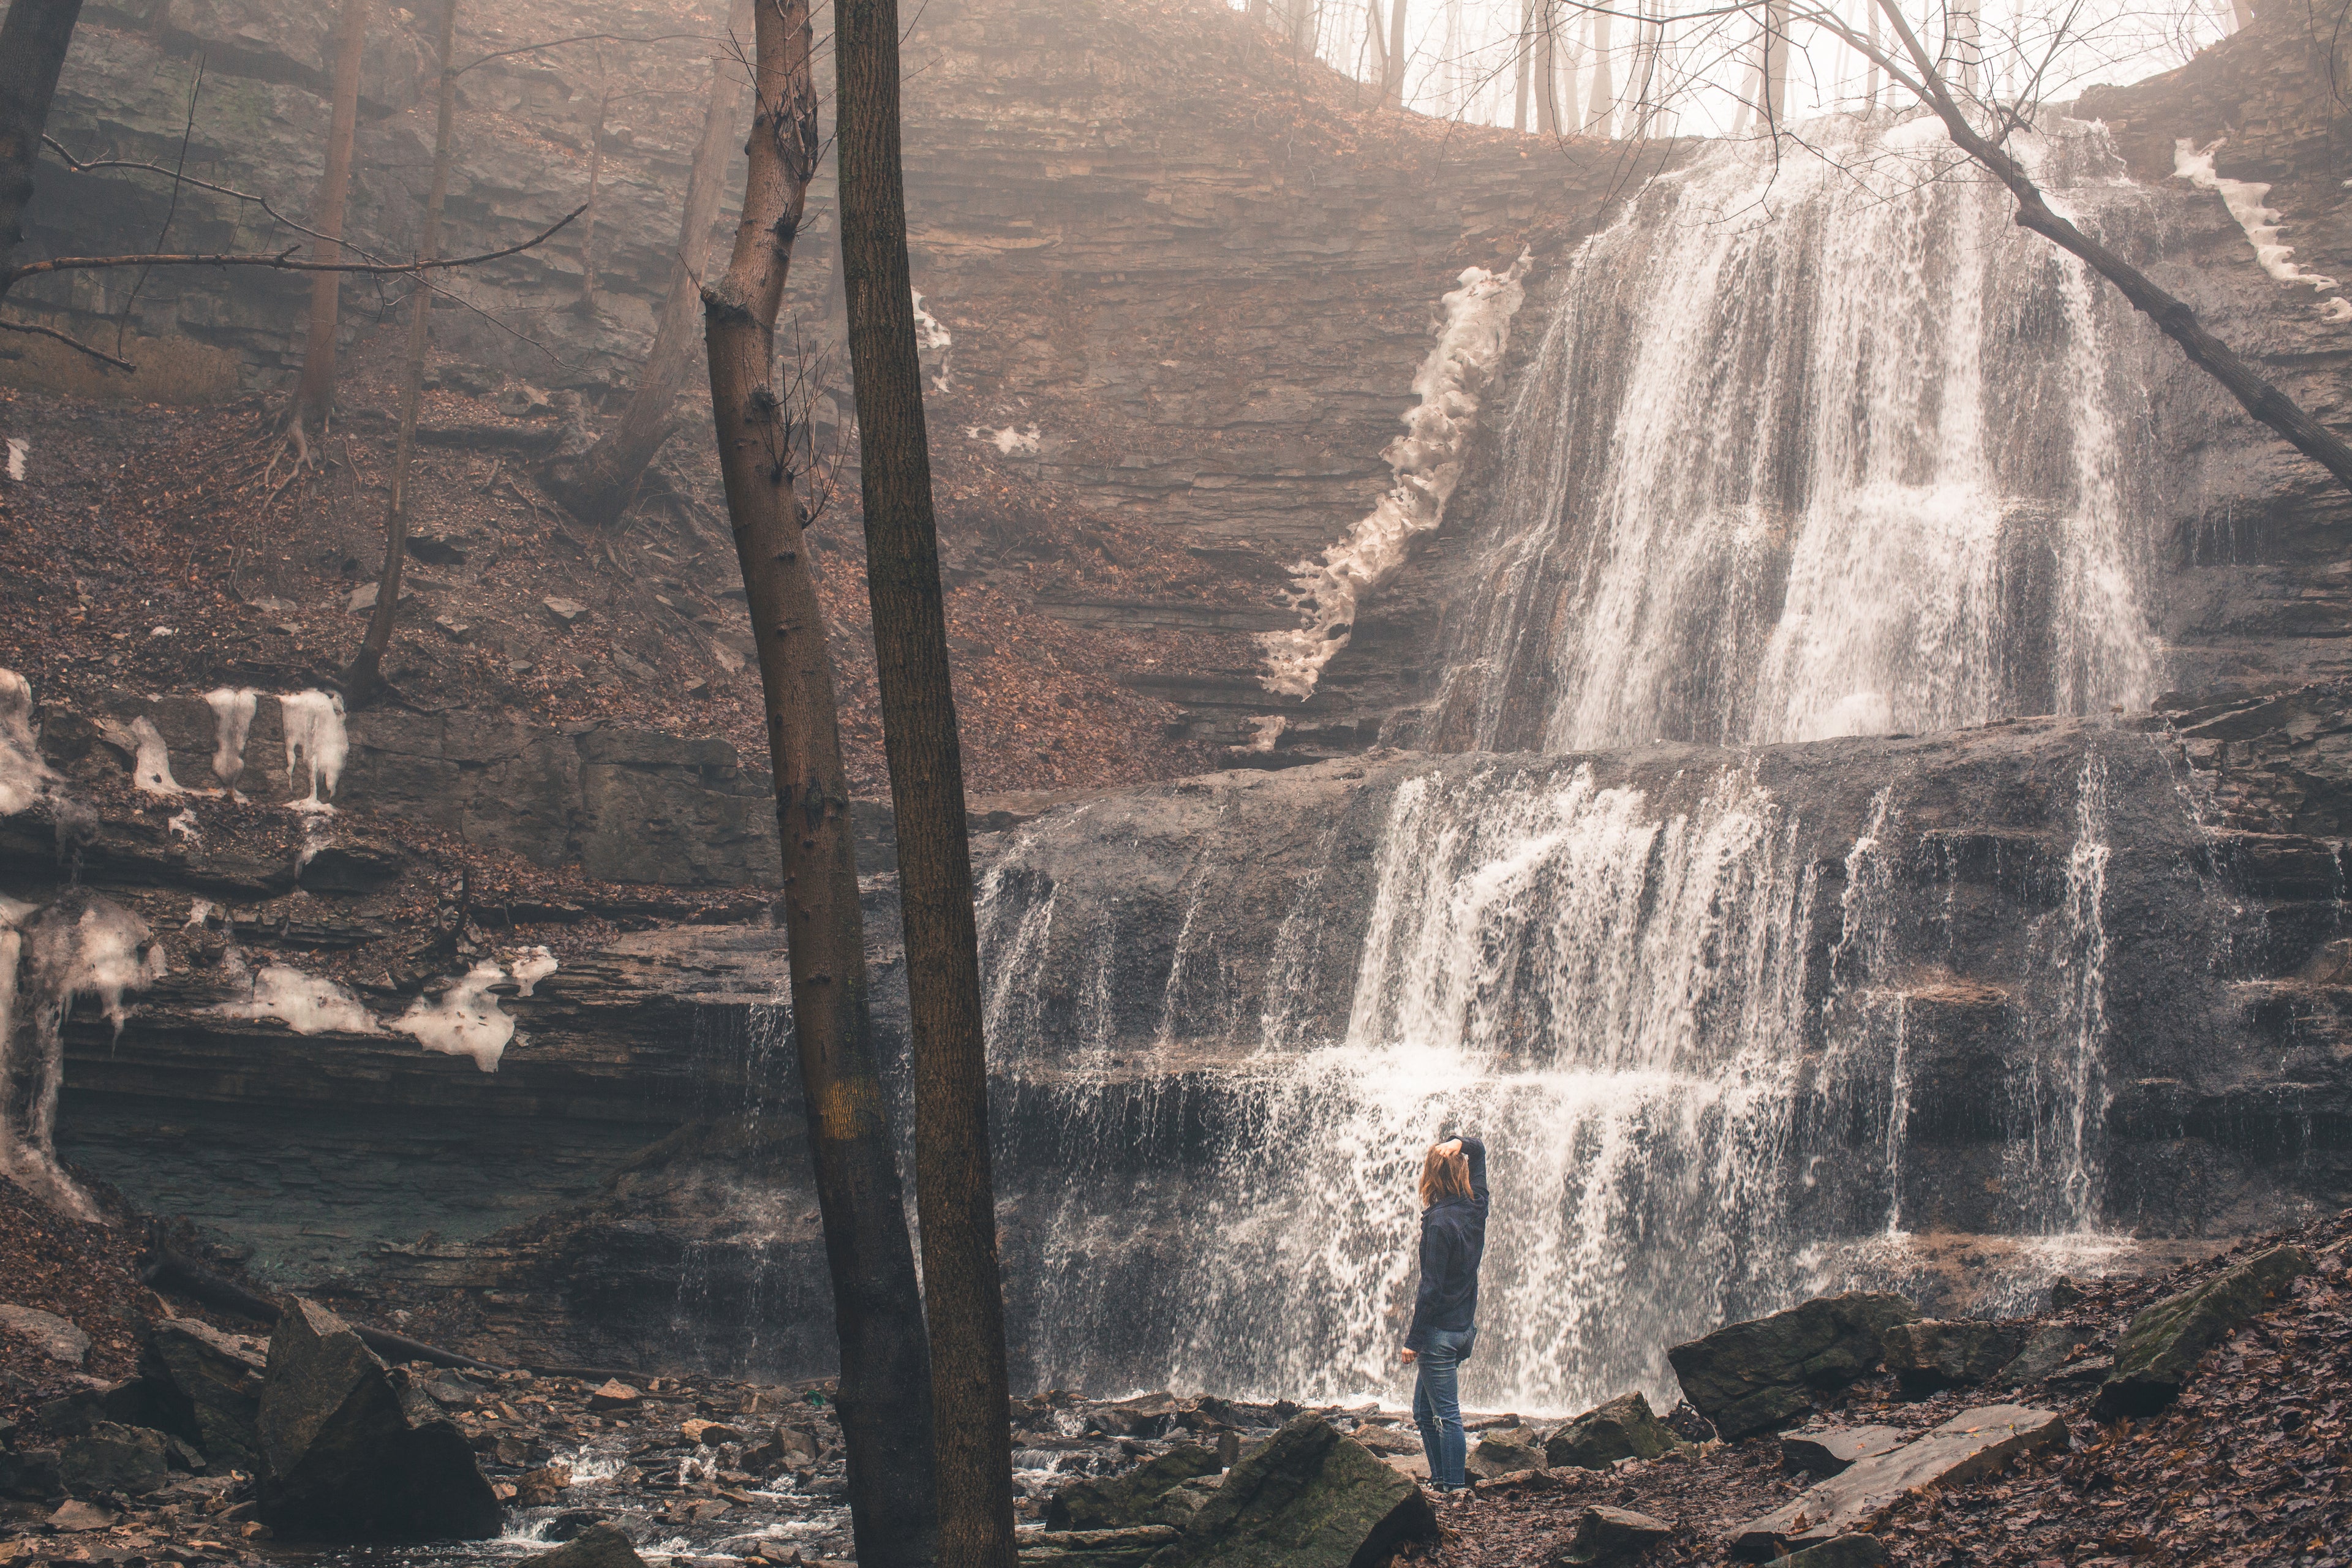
{"points": [[465, 1022], [316, 740], [532, 965], [152, 770], [18, 449], [1427, 462], [233, 713], [2244, 198], [306, 1003], [1011, 441]]}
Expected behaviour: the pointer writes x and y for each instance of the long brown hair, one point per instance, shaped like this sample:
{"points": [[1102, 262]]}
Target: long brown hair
{"points": [[1443, 1175]]}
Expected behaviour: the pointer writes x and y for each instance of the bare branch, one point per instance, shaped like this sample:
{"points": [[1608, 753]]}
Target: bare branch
{"points": [[282, 262], [70, 342]]}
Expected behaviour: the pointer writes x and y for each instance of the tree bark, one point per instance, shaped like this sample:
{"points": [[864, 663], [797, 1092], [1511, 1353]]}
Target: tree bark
{"points": [[2172, 317], [963, 1293], [885, 1397], [1775, 108], [1547, 72], [314, 397], [596, 485], [33, 38], [1392, 89], [1604, 104], [1520, 63], [363, 682]]}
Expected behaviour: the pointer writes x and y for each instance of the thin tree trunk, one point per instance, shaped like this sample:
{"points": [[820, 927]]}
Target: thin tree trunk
{"points": [[1521, 63], [884, 1399], [1870, 94], [33, 38], [2173, 318], [595, 485], [1604, 103], [314, 397], [1393, 83], [963, 1293], [363, 682], [1776, 65], [588, 218], [1548, 121]]}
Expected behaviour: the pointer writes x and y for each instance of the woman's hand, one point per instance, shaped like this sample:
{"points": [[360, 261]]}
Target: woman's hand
{"points": [[1410, 1356], [1450, 1148]]}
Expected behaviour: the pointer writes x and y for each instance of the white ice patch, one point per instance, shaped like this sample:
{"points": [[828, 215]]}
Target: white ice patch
{"points": [[1012, 442], [183, 825], [465, 1022], [2245, 199], [152, 770], [532, 965], [316, 740], [1427, 462], [24, 777], [2338, 310], [199, 911], [232, 723], [17, 451], [1265, 731], [306, 1003], [932, 340]]}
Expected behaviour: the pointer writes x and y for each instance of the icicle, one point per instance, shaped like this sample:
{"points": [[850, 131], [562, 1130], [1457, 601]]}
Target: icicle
{"points": [[2244, 198], [24, 777], [315, 738], [152, 771], [232, 723]]}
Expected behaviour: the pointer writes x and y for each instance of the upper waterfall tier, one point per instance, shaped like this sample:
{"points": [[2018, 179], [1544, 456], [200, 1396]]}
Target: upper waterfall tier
{"points": [[1818, 444]]}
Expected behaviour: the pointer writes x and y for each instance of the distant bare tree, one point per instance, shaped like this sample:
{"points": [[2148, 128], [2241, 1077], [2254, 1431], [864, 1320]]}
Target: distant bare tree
{"points": [[314, 396]]}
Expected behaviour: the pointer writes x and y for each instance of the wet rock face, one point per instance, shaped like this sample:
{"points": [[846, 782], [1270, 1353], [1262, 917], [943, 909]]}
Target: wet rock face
{"points": [[1925, 1356], [2160, 1352], [1751, 1377]]}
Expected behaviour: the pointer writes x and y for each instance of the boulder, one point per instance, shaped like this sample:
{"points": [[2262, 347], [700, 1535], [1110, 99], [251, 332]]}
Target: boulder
{"points": [[107, 1457], [1624, 1428], [1842, 1551], [209, 1386], [348, 1453], [47, 1332], [614, 1395], [1504, 1451], [1830, 1450], [1757, 1376], [1097, 1548], [1606, 1535], [2046, 1351], [77, 1516], [1934, 1353], [1121, 1502], [30, 1475], [1973, 1443], [2158, 1352], [602, 1545], [1308, 1497]]}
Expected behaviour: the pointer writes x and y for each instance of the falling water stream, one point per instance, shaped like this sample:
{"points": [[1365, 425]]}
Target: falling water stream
{"points": [[1812, 448]]}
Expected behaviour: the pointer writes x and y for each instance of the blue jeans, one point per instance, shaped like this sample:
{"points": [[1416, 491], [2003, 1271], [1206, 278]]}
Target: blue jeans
{"points": [[1437, 1405]]}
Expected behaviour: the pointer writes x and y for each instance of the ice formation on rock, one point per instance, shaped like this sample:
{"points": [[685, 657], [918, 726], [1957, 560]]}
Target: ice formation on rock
{"points": [[17, 450], [465, 1022], [316, 740], [152, 772], [306, 1003], [532, 965], [81, 945], [232, 723], [1427, 462], [24, 777], [931, 339], [2245, 200], [1013, 441]]}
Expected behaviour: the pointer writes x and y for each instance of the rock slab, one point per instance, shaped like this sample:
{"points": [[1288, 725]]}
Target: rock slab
{"points": [[1933, 1354], [1624, 1428], [1756, 1377], [1607, 1535], [208, 1386], [348, 1454], [1136, 1497], [1504, 1451], [1829, 1451], [1973, 1443], [1309, 1497], [1094, 1548], [2160, 1352], [1845, 1551], [51, 1335]]}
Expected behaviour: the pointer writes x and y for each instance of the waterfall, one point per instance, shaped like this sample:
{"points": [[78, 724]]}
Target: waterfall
{"points": [[1818, 442]]}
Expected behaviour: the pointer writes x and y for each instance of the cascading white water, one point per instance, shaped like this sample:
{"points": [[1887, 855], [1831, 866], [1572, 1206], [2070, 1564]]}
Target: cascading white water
{"points": [[1818, 443]]}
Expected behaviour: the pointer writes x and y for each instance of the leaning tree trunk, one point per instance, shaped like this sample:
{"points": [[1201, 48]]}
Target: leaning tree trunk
{"points": [[314, 397], [595, 485], [34, 37], [963, 1289], [363, 682], [885, 1395], [1393, 82]]}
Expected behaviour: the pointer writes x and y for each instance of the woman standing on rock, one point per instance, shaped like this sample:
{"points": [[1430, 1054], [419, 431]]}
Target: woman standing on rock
{"points": [[1445, 1314]]}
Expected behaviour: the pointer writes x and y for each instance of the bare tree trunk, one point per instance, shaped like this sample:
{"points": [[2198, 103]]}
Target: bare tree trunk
{"points": [[1520, 65], [885, 1396], [314, 397], [363, 682], [595, 485], [1775, 101], [1870, 94], [963, 1289], [1393, 83], [587, 303], [33, 38], [1548, 121], [1604, 104], [2173, 318]]}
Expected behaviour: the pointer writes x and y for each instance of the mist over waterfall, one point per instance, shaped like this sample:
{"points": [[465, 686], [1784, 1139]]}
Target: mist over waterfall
{"points": [[1818, 443], [1738, 1025]]}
